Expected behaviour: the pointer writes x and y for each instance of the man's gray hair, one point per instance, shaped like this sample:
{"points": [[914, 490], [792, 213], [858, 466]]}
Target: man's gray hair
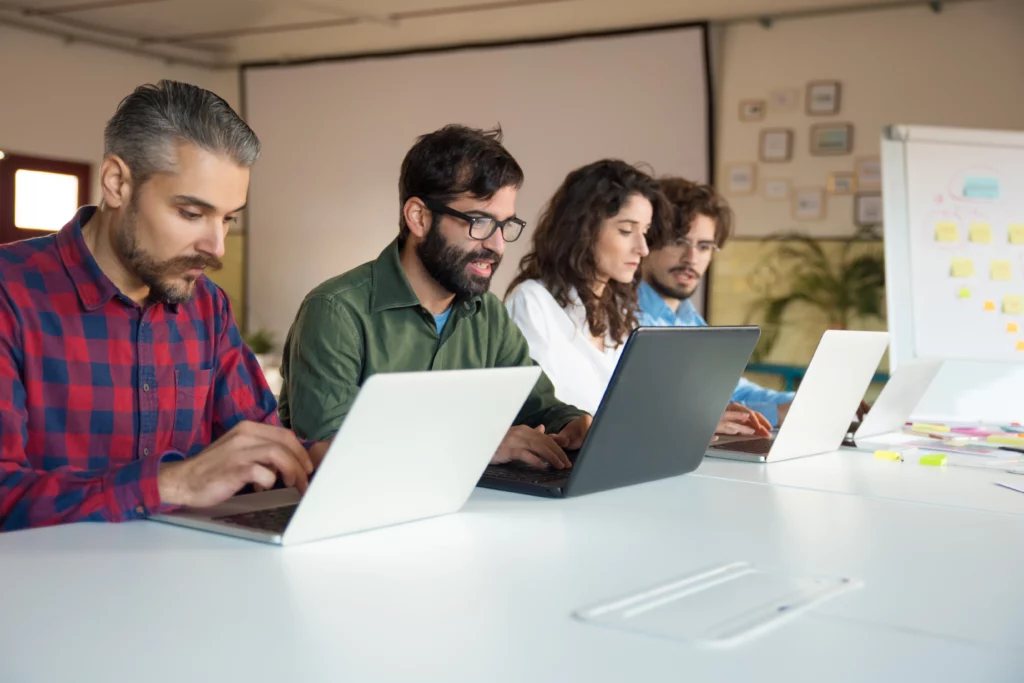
{"points": [[148, 123]]}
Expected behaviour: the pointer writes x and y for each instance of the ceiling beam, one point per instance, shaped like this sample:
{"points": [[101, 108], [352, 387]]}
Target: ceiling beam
{"points": [[82, 7]]}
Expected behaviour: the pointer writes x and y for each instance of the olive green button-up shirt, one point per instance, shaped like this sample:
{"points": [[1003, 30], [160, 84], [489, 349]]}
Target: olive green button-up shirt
{"points": [[369, 320]]}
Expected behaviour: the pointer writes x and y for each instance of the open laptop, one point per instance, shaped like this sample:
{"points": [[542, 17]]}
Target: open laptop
{"points": [[819, 419], [657, 416], [413, 445], [900, 395]]}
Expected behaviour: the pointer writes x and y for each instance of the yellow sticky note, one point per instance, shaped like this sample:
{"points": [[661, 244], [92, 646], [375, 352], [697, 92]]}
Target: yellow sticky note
{"points": [[888, 455], [1017, 233], [965, 293], [990, 305], [947, 232], [1001, 270], [1020, 346], [926, 427], [1013, 304], [962, 267], [981, 232], [1012, 328]]}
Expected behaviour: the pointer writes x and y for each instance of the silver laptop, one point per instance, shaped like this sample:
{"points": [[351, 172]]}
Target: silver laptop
{"points": [[901, 394], [413, 446], [819, 419]]}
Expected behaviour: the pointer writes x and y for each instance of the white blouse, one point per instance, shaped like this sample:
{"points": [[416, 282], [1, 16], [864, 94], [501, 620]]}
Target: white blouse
{"points": [[560, 342]]}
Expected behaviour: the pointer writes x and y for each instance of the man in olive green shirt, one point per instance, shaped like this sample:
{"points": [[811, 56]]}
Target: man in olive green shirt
{"points": [[424, 305]]}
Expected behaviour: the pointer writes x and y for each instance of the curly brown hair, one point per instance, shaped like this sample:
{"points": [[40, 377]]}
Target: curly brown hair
{"points": [[562, 255], [689, 200]]}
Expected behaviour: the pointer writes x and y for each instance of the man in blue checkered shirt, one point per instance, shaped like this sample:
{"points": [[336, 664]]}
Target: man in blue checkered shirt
{"points": [[702, 223]]}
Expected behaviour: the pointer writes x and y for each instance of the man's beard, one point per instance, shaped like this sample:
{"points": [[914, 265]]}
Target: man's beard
{"points": [[673, 290], [166, 280], [447, 265]]}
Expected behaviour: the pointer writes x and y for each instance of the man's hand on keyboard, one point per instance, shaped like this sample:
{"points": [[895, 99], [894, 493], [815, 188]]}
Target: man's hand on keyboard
{"points": [[531, 446]]}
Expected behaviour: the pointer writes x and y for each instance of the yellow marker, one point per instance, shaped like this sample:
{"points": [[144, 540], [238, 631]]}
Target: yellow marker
{"points": [[1002, 271], [962, 267], [947, 232], [924, 427], [1017, 234], [990, 305], [965, 293], [981, 232], [1012, 328], [1013, 304], [933, 459], [887, 455]]}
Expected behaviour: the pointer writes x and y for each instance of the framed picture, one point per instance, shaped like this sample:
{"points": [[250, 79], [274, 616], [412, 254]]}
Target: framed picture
{"points": [[776, 144], [809, 204], [742, 179], [823, 98], [867, 209], [784, 99], [776, 189], [752, 110], [842, 182], [831, 139], [869, 173]]}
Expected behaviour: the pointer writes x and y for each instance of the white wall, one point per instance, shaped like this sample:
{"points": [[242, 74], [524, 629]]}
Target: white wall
{"points": [[55, 98], [963, 67]]}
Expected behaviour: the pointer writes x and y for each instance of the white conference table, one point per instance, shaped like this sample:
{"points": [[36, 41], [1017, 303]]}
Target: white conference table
{"points": [[859, 473], [488, 594]]}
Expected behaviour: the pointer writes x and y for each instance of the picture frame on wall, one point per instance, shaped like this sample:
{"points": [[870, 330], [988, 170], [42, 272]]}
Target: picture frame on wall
{"points": [[752, 110], [784, 99], [823, 98], [831, 139], [777, 189], [842, 182], [776, 145], [809, 204], [867, 209], [869, 173], [741, 179]]}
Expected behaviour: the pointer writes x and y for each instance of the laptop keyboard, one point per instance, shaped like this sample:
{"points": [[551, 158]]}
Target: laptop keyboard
{"points": [[752, 446], [525, 476], [271, 519]]}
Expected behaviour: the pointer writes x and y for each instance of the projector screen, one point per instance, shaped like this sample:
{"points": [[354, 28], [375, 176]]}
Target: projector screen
{"points": [[324, 195]]}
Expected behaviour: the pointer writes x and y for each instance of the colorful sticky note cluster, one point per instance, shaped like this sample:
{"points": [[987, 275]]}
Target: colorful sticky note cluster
{"points": [[1002, 271], [1013, 304], [947, 232], [981, 232], [962, 267], [1017, 233]]}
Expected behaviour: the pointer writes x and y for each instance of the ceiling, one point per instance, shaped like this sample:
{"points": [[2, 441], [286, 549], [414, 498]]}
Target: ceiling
{"points": [[223, 33]]}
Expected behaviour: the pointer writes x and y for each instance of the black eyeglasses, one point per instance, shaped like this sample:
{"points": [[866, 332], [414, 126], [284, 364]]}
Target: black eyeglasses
{"points": [[481, 227]]}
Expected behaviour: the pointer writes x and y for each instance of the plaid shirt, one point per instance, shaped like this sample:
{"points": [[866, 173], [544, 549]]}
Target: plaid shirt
{"points": [[96, 390]]}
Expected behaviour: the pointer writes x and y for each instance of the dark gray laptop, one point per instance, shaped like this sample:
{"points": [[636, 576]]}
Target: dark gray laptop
{"points": [[657, 417]]}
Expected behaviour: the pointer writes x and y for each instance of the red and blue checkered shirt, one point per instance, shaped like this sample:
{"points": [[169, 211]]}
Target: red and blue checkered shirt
{"points": [[96, 390]]}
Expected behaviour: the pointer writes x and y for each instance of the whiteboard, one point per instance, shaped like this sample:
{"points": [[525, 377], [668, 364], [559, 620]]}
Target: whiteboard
{"points": [[324, 195], [954, 242]]}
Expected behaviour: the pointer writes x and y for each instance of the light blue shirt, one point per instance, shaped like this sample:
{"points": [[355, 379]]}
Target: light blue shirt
{"points": [[654, 312], [440, 320]]}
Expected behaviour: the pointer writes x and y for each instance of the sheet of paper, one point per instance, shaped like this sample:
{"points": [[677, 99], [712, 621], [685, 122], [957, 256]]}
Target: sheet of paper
{"points": [[981, 232], [1013, 304], [962, 267], [1002, 271], [948, 232], [1017, 233]]}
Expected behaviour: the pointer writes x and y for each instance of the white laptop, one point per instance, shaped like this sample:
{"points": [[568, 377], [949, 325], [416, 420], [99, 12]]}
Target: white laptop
{"points": [[414, 445], [901, 394], [827, 399]]}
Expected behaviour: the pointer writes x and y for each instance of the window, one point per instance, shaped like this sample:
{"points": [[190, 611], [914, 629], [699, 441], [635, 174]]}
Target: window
{"points": [[38, 196]]}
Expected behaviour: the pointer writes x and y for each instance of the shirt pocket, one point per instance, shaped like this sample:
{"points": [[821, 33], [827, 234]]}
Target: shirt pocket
{"points": [[192, 421]]}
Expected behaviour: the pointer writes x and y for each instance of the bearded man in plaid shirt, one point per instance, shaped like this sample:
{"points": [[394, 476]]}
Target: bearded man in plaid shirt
{"points": [[125, 387]]}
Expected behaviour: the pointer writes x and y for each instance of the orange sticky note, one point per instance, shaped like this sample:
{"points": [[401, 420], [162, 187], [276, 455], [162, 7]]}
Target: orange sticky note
{"points": [[1012, 328], [962, 267], [947, 232], [1002, 271], [1013, 304], [981, 232], [990, 305], [1017, 233]]}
